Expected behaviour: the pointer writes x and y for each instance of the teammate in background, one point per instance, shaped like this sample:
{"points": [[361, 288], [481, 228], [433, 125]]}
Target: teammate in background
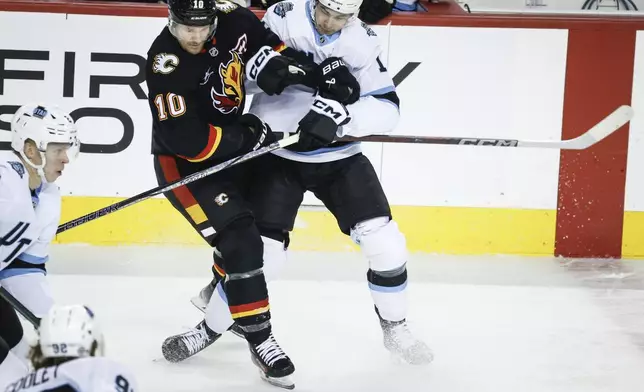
{"points": [[196, 71], [67, 357], [354, 96], [43, 139]]}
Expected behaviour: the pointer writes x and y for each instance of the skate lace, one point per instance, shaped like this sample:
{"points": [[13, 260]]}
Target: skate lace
{"points": [[195, 340], [270, 351]]}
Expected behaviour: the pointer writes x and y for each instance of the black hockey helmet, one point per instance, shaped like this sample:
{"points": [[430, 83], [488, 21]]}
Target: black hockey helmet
{"points": [[193, 12]]}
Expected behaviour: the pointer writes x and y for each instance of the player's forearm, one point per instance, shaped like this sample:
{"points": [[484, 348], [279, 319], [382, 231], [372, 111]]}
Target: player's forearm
{"points": [[371, 116], [200, 143]]}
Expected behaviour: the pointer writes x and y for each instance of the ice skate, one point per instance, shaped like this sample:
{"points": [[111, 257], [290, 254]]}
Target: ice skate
{"points": [[200, 301], [180, 347], [400, 341], [275, 367]]}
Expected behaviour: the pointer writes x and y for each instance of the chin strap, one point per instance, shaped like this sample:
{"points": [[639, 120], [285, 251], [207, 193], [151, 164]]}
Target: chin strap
{"points": [[40, 169]]}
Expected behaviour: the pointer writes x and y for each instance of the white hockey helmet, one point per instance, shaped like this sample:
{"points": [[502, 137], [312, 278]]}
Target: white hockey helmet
{"points": [[43, 124], [342, 6], [70, 331]]}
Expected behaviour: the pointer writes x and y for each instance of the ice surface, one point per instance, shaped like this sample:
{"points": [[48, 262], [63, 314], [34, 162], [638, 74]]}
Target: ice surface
{"points": [[495, 323]]}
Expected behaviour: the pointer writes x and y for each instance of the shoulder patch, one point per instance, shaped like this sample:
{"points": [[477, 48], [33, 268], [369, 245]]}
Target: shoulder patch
{"points": [[369, 30], [282, 8], [18, 167], [165, 63], [225, 6]]}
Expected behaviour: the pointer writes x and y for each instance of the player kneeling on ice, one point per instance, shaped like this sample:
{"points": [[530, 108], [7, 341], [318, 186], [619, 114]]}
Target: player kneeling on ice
{"points": [[352, 94], [44, 139], [67, 356]]}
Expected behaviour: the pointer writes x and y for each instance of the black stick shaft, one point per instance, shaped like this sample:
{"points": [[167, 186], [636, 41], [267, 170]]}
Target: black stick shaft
{"points": [[26, 313]]}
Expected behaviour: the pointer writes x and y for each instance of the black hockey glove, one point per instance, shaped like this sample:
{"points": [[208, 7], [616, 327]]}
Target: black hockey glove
{"points": [[274, 72], [261, 134], [336, 82], [372, 11], [320, 125]]}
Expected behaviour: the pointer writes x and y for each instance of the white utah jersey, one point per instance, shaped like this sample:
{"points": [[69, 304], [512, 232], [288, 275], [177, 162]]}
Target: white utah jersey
{"points": [[359, 47], [28, 221], [91, 374]]}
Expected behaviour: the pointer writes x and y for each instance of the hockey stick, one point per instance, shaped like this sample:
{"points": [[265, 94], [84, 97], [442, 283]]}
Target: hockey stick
{"points": [[601, 130], [175, 184], [26, 313]]}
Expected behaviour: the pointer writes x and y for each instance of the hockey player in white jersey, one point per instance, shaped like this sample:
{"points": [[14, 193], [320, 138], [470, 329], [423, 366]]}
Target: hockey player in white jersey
{"points": [[43, 139], [68, 358], [353, 95]]}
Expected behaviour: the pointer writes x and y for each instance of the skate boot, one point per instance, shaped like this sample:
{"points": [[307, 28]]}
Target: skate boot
{"points": [[182, 346], [400, 341], [275, 367]]}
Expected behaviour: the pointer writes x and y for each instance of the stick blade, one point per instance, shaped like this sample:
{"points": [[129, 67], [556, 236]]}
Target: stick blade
{"points": [[611, 123]]}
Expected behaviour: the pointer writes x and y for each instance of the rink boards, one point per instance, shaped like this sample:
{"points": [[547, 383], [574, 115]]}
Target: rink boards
{"points": [[529, 78]]}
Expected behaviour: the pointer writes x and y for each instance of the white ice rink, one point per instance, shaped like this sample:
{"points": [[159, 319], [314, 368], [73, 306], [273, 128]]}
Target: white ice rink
{"points": [[497, 323]]}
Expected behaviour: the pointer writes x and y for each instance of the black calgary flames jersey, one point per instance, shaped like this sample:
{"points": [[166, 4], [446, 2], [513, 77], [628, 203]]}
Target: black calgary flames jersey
{"points": [[196, 100]]}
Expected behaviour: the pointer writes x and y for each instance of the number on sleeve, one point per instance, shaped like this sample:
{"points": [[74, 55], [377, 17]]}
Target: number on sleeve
{"points": [[382, 67], [176, 105], [122, 384], [198, 4]]}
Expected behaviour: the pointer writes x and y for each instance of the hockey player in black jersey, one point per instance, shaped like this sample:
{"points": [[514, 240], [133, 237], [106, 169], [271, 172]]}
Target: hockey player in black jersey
{"points": [[196, 69], [357, 96]]}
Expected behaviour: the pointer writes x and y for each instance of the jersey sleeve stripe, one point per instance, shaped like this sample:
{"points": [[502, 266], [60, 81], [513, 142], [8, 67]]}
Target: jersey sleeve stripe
{"points": [[10, 272], [380, 91], [31, 259], [280, 47], [214, 138]]}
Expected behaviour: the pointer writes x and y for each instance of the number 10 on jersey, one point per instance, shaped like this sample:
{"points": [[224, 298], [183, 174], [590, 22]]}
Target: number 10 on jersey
{"points": [[176, 105]]}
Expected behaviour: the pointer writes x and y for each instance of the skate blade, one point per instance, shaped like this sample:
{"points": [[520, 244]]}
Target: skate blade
{"points": [[401, 358], [285, 382], [199, 303]]}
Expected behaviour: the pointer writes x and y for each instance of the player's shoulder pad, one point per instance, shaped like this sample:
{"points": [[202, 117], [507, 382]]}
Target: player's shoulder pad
{"points": [[18, 167], [282, 8], [231, 14], [361, 47], [226, 7], [164, 54], [361, 33], [368, 30], [165, 63]]}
